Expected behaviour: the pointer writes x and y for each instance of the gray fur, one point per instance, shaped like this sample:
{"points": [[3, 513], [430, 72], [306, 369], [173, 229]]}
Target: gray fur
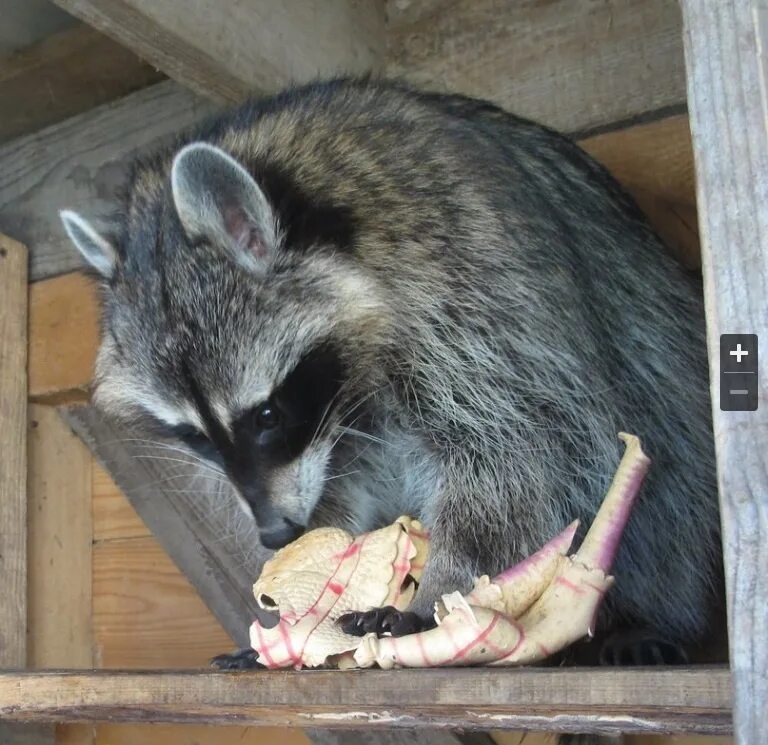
{"points": [[502, 309]]}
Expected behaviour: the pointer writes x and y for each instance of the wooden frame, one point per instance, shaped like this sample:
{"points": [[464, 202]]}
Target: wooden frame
{"points": [[576, 700]]}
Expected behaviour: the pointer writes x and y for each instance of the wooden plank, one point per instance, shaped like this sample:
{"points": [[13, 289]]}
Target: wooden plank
{"points": [[63, 338], [190, 734], [63, 75], [246, 46], [113, 516], [13, 453], [13, 477], [587, 700], [725, 47], [59, 627], [59, 525], [572, 66], [80, 164], [145, 612]]}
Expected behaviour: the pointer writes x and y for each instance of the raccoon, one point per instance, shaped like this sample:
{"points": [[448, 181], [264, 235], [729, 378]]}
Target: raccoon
{"points": [[360, 300]]}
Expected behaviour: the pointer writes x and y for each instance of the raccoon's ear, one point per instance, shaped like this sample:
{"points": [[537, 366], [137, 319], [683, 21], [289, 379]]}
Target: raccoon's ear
{"points": [[96, 249], [217, 199]]}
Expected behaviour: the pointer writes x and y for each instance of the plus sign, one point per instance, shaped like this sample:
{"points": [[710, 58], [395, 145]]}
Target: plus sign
{"points": [[738, 353]]}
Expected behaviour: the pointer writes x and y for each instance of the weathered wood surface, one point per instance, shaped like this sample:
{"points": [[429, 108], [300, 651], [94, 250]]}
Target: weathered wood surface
{"points": [[575, 66], [13, 477], [193, 516], [63, 338], [63, 75], [726, 52], [60, 535], [59, 627], [13, 453], [248, 46], [145, 612], [587, 700], [80, 164]]}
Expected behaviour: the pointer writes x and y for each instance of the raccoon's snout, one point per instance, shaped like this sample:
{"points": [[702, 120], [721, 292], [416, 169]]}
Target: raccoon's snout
{"points": [[281, 534]]}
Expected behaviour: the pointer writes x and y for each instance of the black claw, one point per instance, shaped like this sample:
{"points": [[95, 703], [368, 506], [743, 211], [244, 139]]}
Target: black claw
{"points": [[243, 659], [641, 648], [383, 621]]}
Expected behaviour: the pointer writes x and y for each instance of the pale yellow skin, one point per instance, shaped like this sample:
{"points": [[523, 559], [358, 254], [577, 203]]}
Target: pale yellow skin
{"points": [[525, 614]]}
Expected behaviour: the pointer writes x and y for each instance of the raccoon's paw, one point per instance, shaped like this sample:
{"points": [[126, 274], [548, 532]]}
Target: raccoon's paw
{"points": [[640, 647], [387, 621], [243, 659]]}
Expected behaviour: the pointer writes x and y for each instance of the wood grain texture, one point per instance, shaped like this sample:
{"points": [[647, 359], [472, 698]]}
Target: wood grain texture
{"points": [[190, 734], [250, 46], [572, 66], [59, 627], [588, 700], [113, 516], [13, 478], [13, 453], [80, 164], [63, 338], [59, 525], [65, 74], [725, 47], [146, 614]]}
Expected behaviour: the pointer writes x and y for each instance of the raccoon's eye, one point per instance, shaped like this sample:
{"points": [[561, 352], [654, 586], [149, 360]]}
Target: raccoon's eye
{"points": [[267, 416]]}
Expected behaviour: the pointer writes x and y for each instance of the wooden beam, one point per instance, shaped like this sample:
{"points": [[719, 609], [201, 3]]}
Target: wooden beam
{"points": [[13, 477], [80, 164], [65, 74], [13, 453], [63, 338], [566, 700], [573, 66], [60, 534], [59, 624], [255, 45], [726, 47]]}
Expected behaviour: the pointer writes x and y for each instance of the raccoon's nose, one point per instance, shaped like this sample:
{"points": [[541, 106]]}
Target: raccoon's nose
{"points": [[281, 535]]}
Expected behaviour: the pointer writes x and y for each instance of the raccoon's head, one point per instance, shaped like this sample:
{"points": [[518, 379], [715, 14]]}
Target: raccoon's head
{"points": [[227, 336]]}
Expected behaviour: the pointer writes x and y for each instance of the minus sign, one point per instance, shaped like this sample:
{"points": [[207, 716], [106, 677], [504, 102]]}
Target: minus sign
{"points": [[739, 392]]}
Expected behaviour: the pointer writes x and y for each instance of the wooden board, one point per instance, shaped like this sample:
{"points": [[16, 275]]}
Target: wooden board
{"points": [[588, 700], [63, 338], [246, 46], [59, 628], [79, 164], [146, 614], [63, 75], [726, 47], [113, 516], [13, 453], [572, 66], [190, 734], [59, 525]]}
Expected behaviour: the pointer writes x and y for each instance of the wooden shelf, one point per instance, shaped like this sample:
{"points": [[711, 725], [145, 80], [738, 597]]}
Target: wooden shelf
{"points": [[650, 700]]}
